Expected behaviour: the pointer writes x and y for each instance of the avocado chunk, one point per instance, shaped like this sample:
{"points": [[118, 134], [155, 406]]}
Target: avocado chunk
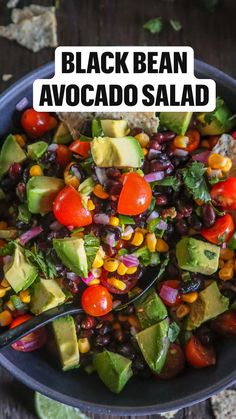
{"points": [[19, 272], [114, 128], [176, 121], [11, 152], [36, 150], [154, 343], [8, 234], [197, 256], [209, 304], [46, 294], [150, 309], [62, 135], [113, 369], [72, 253], [116, 152], [217, 122], [41, 192], [66, 341]]}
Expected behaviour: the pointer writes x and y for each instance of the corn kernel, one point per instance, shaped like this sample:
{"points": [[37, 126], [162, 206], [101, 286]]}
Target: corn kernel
{"points": [[25, 296], [5, 283], [143, 139], [151, 242], [227, 166], [182, 311], [126, 237], [145, 151], [169, 212], [5, 318], [226, 274], [10, 305], [116, 283], [199, 202], [217, 161], [226, 254], [229, 263], [95, 281], [20, 139], [162, 246], [221, 263], [131, 270], [137, 239], [111, 264], [3, 292], [96, 272], [3, 225], [71, 179], [181, 141], [84, 345], [122, 269], [101, 252], [99, 192], [214, 173], [90, 205], [36, 170], [190, 298], [114, 221], [98, 261]]}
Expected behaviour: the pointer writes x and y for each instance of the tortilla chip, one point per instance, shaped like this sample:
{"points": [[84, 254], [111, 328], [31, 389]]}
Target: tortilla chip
{"points": [[224, 404], [226, 146], [33, 27], [145, 120]]}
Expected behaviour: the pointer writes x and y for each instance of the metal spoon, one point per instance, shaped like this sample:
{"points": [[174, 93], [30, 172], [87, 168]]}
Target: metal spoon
{"points": [[12, 335]]}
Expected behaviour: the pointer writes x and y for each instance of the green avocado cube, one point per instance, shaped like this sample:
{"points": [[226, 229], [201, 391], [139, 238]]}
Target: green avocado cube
{"points": [[62, 135], [66, 341], [72, 253], [176, 121], [209, 304], [217, 122], [36, 150], [19, 272], [41, 192], [46, 294], [197, 256], [154, 344], [116, 152], [150, 309], [11, 152], [113, 369], [114, 128]]}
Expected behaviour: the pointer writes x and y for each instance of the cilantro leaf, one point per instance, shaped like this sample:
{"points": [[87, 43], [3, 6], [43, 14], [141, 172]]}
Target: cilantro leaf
{"points": [[175, 24], [125, 219], [154, 25], [193, 178], [7, 249], [91, 244], [97, 130], [172, 181], [24, 214], [144, 255], [41, 261], [173, 331]]}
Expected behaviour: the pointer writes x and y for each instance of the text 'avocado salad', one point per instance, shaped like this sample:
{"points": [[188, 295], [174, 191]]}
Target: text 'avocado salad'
{"points": [[84, 218]]}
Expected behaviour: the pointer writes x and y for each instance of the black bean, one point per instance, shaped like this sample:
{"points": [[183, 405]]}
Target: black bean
{"points": [[208, 215], [88, 333], [195, 222], [88, 323], [126, 350], [161, 200], [113, 187], [181, 226], [159, 165], [20, 190], [102, 340], [139, 363], [168, 135], [190, 286], [106, 328], [128, 310], [206, 336], [155, 145], [119, 335], [113, 173], [25, 176], [15, 171], [22, 226]]}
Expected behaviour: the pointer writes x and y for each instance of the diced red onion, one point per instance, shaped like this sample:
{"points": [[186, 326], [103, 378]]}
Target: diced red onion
{"points": [[180, 153], [89, 279], [101, 219], [223, 246], [127, 231], [101, 175], [31, 342], [154, 214], [168, 294], [153, 153], [70, 228], [72, 276], [162, 225], [30, 234], [130, 260], [152, 177], [22, 104], [202, 157], [110, 239], [53, 147], [7, 259], [56, 226]]}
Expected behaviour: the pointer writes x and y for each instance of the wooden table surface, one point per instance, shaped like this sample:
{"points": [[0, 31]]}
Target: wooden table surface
{"points": [[119, 22]]}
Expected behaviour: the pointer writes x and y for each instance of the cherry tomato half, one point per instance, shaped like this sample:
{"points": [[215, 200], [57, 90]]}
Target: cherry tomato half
{"points": [[36, 123], [174, 363], [221, 231], [198, 355], [69, 210], [194, 140], [96, 301], [31, 342], [135, 196], [224, 193], [63, 155], [80, 147], [171, 284], [225, 324]]}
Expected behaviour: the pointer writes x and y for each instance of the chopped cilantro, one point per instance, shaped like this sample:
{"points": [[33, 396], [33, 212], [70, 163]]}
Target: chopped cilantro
{"points": [[124, 219], [41, 261], [97, 130], [172, 181], [173, 331], [193, 178], [154, 25]]}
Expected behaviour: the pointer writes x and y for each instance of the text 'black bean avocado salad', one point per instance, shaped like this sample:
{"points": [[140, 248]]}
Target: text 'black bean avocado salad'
{"points": [[83, 217]]}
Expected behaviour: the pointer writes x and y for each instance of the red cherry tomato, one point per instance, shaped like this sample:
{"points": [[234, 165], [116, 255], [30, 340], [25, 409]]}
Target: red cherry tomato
{"points": [[198, 355], [174, 363], [194, 140], [172, 284], [225, 324], [31, 342], [224, 193], [63, 155], [69, 210], [96, 301], [36, 123], [80, 147], [135, 196], [221, 231]]}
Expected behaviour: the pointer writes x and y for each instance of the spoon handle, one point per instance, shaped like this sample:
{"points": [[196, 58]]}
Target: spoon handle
{"points": [[12, 335]]}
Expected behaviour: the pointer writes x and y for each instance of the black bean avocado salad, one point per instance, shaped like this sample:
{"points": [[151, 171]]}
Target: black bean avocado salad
{"points": [[84, 213]]}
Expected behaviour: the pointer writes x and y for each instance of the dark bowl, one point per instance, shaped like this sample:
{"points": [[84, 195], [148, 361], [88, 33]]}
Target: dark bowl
{"points": [[141, 396]]}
